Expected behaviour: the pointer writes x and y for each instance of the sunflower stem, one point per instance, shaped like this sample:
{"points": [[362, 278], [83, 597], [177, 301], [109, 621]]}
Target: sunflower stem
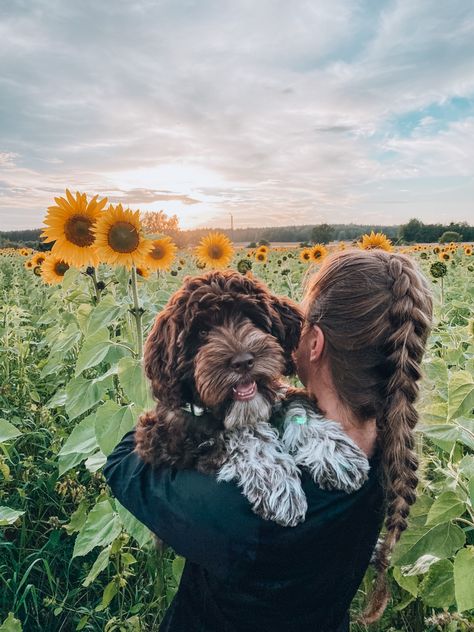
{"points": [[95, 281], [137, 312]]}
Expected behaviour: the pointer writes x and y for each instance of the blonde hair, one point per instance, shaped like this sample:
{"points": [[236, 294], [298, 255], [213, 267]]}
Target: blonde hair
{"points": [[375, 310]]}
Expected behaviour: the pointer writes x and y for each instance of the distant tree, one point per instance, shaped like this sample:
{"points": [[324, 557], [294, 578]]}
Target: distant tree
{"points": [[322, 234], [413, 231], [159, 222], [252, 244], [449, 235], [263, 242]]}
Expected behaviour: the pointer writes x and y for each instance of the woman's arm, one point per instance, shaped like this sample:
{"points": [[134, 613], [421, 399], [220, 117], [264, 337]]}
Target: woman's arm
{"points": [[207, 522]]}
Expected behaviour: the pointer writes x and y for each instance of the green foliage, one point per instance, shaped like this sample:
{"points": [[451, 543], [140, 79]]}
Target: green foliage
{"points": [[71, 384]]}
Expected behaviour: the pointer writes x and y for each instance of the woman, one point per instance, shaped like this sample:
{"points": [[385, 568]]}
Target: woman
{"points": [[367, 320]]}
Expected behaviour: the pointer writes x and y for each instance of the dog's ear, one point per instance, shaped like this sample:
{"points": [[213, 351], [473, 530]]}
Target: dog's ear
{"points": [[287, 328], [163, 361]]}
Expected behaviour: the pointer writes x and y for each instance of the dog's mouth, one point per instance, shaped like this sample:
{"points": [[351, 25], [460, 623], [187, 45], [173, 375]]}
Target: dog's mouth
{"points": [[244, 392]]}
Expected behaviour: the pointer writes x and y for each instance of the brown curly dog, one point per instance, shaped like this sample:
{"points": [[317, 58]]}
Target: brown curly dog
{"points": [[215, 356]]}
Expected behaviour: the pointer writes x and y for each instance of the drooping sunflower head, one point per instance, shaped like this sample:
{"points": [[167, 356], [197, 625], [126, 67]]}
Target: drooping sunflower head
{"points": [[70, 224], [375, 240], [53, 269], [119, 237], [215, 250], [162, 254], [143, 272], [261, 257], [318, 252], [444, 256], [305, 255]]}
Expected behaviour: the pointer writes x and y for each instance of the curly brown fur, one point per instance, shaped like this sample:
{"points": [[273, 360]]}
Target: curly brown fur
{"points": [[190, 357]]}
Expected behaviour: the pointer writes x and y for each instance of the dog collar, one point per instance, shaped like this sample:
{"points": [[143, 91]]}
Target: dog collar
{"points": [[196, 411]]}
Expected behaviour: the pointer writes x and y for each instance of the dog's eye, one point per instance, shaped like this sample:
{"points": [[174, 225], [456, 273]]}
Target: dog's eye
{"points": [[203, 333]]}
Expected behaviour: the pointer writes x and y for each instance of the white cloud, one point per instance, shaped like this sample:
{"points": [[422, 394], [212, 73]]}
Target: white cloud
{"points": [[278, 112]]}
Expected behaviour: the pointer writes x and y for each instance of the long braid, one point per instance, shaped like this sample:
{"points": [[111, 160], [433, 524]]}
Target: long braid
{"points": [[409, 325]]}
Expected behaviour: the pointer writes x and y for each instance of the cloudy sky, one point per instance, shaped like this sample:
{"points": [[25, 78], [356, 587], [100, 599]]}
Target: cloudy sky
{"points": [[277, 111]]}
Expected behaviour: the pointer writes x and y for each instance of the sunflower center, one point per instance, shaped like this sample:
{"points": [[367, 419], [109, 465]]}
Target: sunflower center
{"points": [[316, 255], [123, 237], [61, 267], [78, 230], [158, 252], [215, 251]]}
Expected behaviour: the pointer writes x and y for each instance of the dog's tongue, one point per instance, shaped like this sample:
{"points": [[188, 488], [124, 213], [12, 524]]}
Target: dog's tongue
{"points": [[244, 392]]}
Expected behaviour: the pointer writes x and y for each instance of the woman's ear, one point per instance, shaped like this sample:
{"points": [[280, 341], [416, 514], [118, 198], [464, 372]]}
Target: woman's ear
{"points": [[316, 343]]}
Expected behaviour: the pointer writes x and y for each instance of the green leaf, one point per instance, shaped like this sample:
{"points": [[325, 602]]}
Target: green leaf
{"points": [[437, 587], [104, 313], [68, 461], [441, 541], [460, 394], [466, 466], [133, 527], [437, 371], [109, 593], [407, 582], [98, 566], [445, 508], [93, 350], [95, 461], [70, 279], [11, 624], [420, 510], [178, 567], [101, 527], [8, 431], [463, 578], [9, 516], [461, 431], [134, 383], [83, 394], [78, 518], [82, 439], [111, 423]]}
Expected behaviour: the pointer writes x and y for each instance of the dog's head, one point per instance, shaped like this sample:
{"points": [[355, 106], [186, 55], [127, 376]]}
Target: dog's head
{"points": [[222, 338]]}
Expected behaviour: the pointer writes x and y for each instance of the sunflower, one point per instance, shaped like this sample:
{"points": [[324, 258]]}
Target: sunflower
{"points": [[70, 225], [162, 254], [444, 256], [24, 252], [215, 250], [264, 249], [261, 257], [318, 252], [119, 238], [468, 251], [38, 258], [143, 272], [306, 255], [29, 265], [375, 240], [436, 250], [53, 269], [342, 246]]}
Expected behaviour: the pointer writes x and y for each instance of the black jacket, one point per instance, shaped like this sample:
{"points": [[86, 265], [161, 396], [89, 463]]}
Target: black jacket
{"points": [[244, 573]]}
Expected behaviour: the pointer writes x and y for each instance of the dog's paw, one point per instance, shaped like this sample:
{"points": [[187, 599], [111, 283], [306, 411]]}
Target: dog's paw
{"points": [[332, 458], [282, 498], [268, 477]]}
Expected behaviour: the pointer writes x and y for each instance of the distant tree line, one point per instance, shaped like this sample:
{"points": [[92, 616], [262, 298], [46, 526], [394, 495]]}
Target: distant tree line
{"points": [[414, 231]]}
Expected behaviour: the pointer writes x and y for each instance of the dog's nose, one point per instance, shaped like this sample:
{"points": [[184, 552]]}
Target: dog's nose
{"points": [[242, 362]]}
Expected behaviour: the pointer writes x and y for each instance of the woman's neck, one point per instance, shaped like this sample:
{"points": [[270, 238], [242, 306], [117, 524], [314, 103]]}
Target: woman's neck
{"points": [[363, 433]]}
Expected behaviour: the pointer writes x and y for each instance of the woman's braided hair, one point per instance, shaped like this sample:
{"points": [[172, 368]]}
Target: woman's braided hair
{"points": [[375, 310]]}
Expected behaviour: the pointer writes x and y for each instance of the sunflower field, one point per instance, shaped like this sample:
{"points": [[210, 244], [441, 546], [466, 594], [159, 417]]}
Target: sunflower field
{"points": [[72, 325]]}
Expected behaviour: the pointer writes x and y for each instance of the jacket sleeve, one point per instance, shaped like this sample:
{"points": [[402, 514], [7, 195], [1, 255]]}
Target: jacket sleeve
{"points": [[206, 521]]}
